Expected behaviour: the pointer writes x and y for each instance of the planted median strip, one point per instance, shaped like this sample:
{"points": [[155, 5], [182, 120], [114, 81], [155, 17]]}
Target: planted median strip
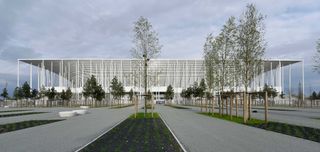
{"points": [[308, 133], [14, 111], [20, 114], [177, 107], [137, 134], [121, 106], [24, 124]]}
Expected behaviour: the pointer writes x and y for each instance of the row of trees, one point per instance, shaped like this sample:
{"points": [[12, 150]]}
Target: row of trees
{"points": [[27, 96], [234, 57], [314, 97], [195, 91]]}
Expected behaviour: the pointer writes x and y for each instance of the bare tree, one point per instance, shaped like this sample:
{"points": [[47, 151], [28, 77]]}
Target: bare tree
{"points": [[219, 55], [210, 71], [146, 46], [251, 47]]}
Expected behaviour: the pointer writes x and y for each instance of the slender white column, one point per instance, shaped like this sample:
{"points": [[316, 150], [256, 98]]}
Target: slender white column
{"points": [[82, 72], [42, 78], [38, 69], [195, 78], [18, 74], [282, 77], [90, 68], [272, 78], [279, 76], [290, 83], [302, 80], [30, 81], [51, 75], [62, 74], [101, 74], [185, 75], [121, 72], [69, 80]]}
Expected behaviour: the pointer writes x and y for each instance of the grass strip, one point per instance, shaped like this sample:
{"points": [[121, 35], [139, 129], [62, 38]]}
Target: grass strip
{"points": [[20, 114], [149, 106], [14, 110], [307, 133], [274, 109], [137, 134], [175, 106], [140, 115], [24, 124], [121, 106]]}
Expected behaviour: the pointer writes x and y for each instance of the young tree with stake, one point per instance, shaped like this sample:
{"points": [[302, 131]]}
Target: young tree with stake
{"points": [[147, 46], [251, 45]]}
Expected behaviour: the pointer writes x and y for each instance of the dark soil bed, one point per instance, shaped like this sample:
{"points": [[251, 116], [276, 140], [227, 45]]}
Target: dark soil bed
{"points": [[24, 124], [20, 114], [14, 110], [137, 134], [308, 133], [177, 107]]}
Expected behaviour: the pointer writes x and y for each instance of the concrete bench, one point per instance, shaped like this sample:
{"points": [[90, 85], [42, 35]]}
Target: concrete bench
{"points": [[84, 107], [80, 112], [67, 113]]}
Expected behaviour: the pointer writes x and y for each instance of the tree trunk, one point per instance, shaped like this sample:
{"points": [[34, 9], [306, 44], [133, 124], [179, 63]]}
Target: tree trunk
{"points": [[236, 106], [249, 105], [219, 102], [245, 108], [206, 101], [231, 103], [213, 105], [227, 106], [201, 104], [222, 106]]}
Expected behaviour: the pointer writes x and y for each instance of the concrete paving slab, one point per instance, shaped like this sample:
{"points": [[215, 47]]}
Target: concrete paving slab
{"points": [[200, 133]]}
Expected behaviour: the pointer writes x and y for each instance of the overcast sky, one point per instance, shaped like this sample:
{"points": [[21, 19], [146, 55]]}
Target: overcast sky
{"points": [[102, 28]]}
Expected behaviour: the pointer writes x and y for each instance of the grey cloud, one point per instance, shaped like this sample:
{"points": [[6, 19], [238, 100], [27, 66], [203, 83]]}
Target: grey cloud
{"points": [[102, 28], [12, 53]]}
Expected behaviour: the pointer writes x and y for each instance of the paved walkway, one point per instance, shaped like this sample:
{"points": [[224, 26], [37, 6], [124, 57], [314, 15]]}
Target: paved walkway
{"points": [[200, 133], [62, 136], [52, 113]]}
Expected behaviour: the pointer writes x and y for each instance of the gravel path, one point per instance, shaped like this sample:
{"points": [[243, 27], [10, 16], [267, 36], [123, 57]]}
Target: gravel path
{"points": [[200, 133], [62, 136]]}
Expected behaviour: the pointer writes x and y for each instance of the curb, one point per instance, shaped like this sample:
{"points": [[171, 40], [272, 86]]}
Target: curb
{"points": [[100, 135], [175, 137]]}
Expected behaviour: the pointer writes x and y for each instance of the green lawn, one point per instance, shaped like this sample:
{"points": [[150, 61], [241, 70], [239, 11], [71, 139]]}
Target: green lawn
{"points": [[308, 133], [15, 110], [149, 106], [121, 106], [137, 134], [24, 124], [20, 114]]}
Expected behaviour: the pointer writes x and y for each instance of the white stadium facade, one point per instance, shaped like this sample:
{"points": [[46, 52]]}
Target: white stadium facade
{"points": [[180, 73]]}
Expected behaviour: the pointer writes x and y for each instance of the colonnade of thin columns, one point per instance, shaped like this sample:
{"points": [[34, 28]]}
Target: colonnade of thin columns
{"points": [[176, 72]]}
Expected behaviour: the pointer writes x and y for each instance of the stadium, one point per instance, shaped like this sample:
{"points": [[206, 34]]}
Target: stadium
{"points": [[180, 73]]}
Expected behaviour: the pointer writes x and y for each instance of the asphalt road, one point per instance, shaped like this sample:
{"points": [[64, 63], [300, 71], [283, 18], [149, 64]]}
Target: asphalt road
{"points": [[200, 133]]}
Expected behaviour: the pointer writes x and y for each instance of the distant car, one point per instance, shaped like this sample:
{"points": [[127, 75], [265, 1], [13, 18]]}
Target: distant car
{"points": [[254, 111]]}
